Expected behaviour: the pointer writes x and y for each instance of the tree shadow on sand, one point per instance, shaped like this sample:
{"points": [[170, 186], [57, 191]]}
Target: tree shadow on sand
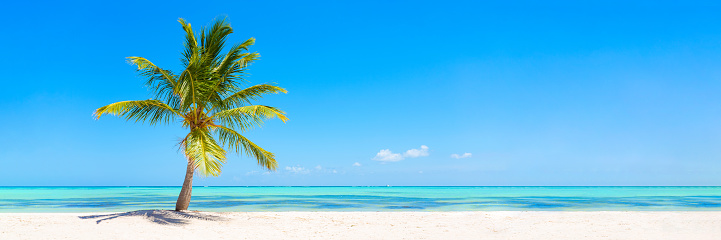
{"points": [[163, 217]]}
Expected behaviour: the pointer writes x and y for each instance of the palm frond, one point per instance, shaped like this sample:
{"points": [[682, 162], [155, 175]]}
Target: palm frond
{"points": [[239, 143], [199, 81], [249, 94], [228, 77], [161, 81], [234, 63], [213, 40], [152, 111], [205, 153], [191, 45], [248, 117], [225, 75]]}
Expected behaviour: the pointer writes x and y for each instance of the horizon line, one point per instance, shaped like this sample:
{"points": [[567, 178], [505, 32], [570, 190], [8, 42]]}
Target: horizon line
{"points": [[394, 186]]}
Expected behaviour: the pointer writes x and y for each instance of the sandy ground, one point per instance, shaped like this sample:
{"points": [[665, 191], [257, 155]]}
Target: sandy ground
{"points": [[156, 224]]}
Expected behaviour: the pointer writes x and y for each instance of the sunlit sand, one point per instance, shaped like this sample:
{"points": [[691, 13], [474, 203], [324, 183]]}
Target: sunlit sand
{"points": [[157, 224]]}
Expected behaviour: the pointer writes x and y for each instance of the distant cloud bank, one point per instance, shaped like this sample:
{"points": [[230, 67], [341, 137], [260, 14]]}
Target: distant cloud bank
{"points": [[465, 155], [385, 155], [297, 170], [315, 170]]}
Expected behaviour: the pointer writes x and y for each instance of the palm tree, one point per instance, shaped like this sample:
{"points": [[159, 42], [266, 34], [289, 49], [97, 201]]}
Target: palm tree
{"points": [[207, 99]]}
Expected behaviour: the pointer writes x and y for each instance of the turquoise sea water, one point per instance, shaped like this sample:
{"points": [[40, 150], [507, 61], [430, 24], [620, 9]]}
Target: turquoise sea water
{"points": [[221, 199]]}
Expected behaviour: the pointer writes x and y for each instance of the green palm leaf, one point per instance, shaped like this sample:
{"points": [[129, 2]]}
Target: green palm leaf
{"points": [[239, 143], [201, 149], [248, 117], [251, 94], [161, 81], [152, 111]]}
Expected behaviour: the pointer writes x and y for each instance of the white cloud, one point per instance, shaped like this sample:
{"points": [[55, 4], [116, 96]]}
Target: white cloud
{"points": [[256, 173], [356, 164], [414, 153], [465, 155], [386, 155], [297, 170]]}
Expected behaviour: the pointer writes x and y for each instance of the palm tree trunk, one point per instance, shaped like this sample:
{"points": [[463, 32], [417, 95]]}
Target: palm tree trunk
{"points": [[185, 192]]}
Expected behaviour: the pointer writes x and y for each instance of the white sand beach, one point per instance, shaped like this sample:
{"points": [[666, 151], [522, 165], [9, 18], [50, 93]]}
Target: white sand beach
{"points": [[156, 224]]}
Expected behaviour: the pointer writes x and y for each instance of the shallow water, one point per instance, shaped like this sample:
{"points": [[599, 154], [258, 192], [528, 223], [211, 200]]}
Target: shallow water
{"points": [[226, 199]]}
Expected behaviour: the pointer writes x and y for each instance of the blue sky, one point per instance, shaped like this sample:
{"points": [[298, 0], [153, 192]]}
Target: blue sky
{"points": [[381, 93]]}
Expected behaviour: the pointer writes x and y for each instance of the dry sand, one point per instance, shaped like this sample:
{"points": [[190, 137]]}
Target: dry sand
{"points": [[156, 224]]}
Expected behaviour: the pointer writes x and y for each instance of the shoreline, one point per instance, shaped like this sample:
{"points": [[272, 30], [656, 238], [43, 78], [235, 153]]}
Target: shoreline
{"points": [[164, 224]]}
